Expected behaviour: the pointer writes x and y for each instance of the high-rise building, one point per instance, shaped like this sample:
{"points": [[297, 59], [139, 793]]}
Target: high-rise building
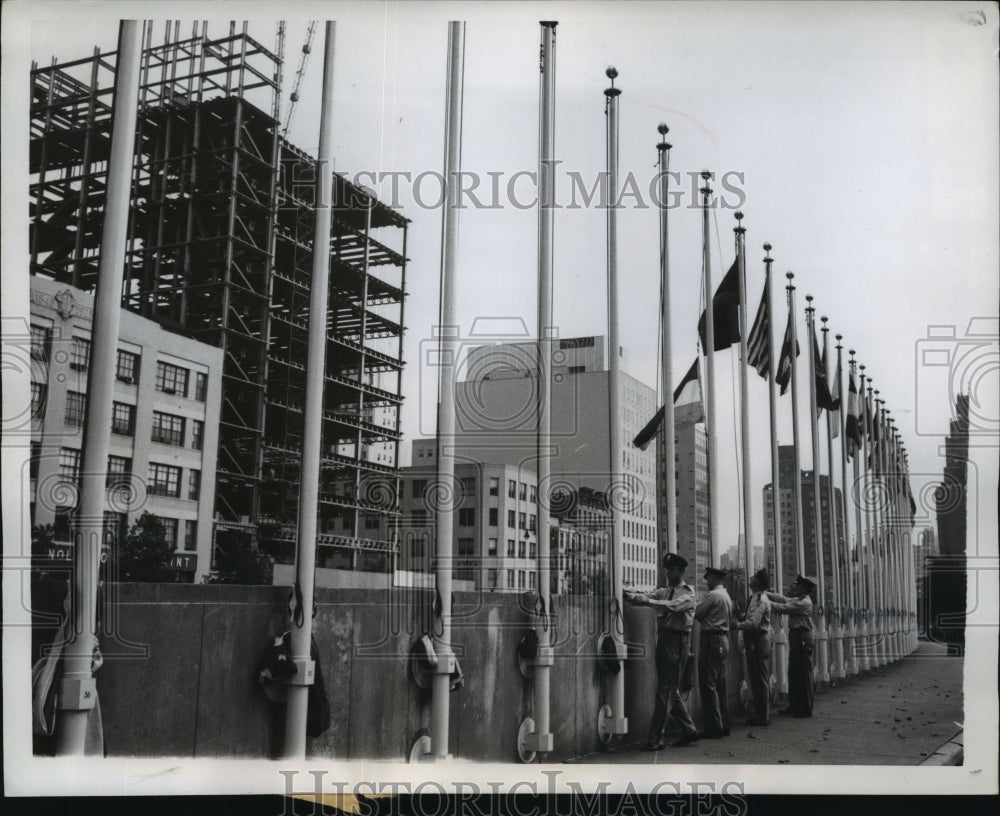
{"points": [[786, 510], [219, 250], [950, 496], [496, 423], [164, 426], [691, 495]]}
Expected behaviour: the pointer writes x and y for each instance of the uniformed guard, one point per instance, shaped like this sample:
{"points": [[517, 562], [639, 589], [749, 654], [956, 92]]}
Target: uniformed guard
{"points": [[798, 606], [674, 604], [756, 628], [715, 615]]}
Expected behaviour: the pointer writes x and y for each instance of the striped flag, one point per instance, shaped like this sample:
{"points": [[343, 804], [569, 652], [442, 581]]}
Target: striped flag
{"points": [[784, 373], [852, 430], [824, 401], [687, 407], [758, 351]]}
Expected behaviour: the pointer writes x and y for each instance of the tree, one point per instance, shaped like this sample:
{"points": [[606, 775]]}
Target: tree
{"points": [[238, 561], [144, 555]]}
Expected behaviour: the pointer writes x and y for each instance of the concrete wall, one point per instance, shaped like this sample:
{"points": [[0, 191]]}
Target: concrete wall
{"points": [[195, 691]]}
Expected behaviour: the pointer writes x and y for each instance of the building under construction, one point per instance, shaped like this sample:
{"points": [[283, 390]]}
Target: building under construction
{"points": [[219, 249]]}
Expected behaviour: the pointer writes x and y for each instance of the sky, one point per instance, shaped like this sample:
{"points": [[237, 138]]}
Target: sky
{"points": [[860, 137]]}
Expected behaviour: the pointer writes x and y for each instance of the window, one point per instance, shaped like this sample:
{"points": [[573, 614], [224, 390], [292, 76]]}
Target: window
{"points": [[533, 494], [523, 491], [494, 486], [171, 379], [522, 520], [520, 579], [122, 419], [168, 429], [80, 356], [532, 522], [532, 550], [510, 579], [511, 489], [510, 547], [69, 464], [63, 523], [372, 522], [115, 527], [492, 579], [520, 549], [467, 517], [127, 367], [492, 550], [511, 518], [39, 342], [531, 580], [200, 386], [164, 480], [119, 471], [37, 401], [197, 434], [468, 486], [190, 534], [194, 484], [169, 530], [419, 486], [74, 408], [36, 455]]}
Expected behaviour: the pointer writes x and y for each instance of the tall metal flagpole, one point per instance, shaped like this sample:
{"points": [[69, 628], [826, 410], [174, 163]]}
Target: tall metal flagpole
{"points": [[836, 622], [541, 740], [878, 644], [78, 689], [713, 471], [744, 390], [666, 363], [614, 721], [857, 494], [893, 551], [800, 546], [305, 556], [822, 643], [447, 338], [850, 631], [780, 627]]}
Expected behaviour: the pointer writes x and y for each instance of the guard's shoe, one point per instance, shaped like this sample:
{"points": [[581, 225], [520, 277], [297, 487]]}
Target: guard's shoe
{"points": [[712, 734], [654, 746], [685, 741]]}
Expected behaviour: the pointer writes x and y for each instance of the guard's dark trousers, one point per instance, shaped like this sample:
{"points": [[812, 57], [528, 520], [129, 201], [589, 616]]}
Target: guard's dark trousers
{"points": [[758, 648], [671, 652], [713, 653], [800, 672]]}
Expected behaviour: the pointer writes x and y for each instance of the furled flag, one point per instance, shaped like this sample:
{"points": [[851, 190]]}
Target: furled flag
{"points": [[687, 408], [852, 430], [835, 393], [758, 349], [783, 375], [725, 312], [824, 401]]}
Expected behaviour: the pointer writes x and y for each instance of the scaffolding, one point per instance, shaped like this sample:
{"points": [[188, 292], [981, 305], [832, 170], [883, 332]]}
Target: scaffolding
{"points": [[219, 249]]}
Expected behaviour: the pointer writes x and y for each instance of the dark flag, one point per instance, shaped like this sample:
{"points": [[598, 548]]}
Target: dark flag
{"points": [[824, 400], [758, 351], [784, 373], [687, 406], [852, 430], [725, 312]]}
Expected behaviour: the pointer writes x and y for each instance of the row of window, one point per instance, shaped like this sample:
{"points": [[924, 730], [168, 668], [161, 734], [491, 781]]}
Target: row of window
{"points": [[493, 575], [163, 480], [116, 526], [170, 379]]}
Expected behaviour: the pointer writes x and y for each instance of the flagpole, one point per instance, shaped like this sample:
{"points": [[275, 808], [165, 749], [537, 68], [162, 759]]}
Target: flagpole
{"points": [[744, 390], [713, 493], [863, 526], [448, 347], [822, 643], [666, 363], [894, 521], [850, 632], [613, 721], [877, 571], [305, 556], [800, 547], [780, 632], [77, 695], [538, 734], [836, 622]]}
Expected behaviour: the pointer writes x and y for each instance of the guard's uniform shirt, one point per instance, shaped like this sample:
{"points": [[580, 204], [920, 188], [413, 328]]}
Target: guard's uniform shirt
{"points": [[715, 611], [758, 614], [674, 607], [799, 610]]}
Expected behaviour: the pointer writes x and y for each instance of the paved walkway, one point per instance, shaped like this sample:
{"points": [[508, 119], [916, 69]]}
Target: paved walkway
{"points": [[898, 715]]}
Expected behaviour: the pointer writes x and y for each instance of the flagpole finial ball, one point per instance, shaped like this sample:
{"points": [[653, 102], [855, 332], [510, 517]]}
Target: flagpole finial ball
{"points": [[611, 72], [767, 247], [706, 174], [809, 298], [739, 216], [662, 129], [839, 337], [852, 351], [824, 318], [789, 275]]}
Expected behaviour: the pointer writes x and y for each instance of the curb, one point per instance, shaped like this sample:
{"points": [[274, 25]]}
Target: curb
{"points": [[951, 753]]}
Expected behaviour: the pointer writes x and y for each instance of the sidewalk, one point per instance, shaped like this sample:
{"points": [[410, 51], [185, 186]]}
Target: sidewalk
{"points": [[899, 715]]}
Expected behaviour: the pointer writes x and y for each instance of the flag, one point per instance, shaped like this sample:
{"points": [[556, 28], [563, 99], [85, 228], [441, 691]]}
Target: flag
{"points": [[852, 431], [687, 405], [823, 398], [835, 393], [758, 349], [783, 376], [725, 312]]}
